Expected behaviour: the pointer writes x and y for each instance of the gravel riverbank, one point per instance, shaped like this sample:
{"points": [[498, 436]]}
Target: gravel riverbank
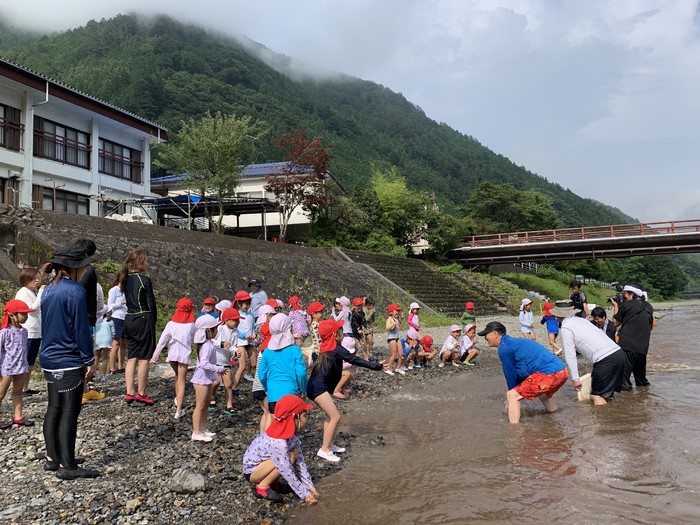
{"points": [[153, 473]]}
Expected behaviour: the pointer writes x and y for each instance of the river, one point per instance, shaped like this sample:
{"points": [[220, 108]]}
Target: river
{"points": [[451, 456]]}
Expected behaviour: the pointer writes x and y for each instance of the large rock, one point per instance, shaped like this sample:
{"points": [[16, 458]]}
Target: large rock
{"points": [[186, 481]]}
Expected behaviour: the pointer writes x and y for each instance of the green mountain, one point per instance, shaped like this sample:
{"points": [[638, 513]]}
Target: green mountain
{"points": [[167, 71]]}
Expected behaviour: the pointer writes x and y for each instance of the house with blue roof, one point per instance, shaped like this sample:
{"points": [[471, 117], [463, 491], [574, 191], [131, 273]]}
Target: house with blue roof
{"points": [[253, 212]]}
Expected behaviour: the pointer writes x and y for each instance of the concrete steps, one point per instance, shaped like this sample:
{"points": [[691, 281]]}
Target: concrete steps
{"points": [[441, 291]]}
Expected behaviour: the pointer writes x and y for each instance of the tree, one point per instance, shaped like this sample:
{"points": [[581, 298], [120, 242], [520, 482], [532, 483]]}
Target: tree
{"points": [[500, 208], [303, 180], [212, 152]]}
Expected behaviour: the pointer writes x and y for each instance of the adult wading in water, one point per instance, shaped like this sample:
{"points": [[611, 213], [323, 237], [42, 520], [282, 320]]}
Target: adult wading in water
{"points": [[66, 357], [139, 324]]}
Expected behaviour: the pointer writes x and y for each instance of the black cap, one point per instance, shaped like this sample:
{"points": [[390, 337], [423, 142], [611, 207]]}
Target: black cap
{"points": [[493, 326]]}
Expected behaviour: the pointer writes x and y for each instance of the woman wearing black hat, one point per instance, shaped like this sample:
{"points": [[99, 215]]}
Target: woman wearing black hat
{"points": [[66, 357]]}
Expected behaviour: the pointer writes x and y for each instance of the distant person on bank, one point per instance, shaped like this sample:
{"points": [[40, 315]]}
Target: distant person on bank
{"points": [[635, 320], [468, 317], [578, 298], [531, 371], [579, 335], [257, 295], [600, 319]]}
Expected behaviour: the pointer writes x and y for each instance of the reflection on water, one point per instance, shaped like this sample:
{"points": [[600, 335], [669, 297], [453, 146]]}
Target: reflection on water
{"points": [[451, 457]]}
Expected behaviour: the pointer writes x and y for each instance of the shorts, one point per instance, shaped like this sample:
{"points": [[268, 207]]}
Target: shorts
{"points": [[140, 335], [247, 477], [118, 328], [537, 384], [607, 374], [33, 346], [271, 407], [389, 339], [259, 395]]}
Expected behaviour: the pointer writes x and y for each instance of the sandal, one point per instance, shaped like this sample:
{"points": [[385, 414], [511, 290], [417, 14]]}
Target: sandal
{"points": [[22, 422], [230, 411], [4, 425], [212, 406]]}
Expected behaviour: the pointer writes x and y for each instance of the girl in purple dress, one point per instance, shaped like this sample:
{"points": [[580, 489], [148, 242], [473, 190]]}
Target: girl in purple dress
{"points": [[204, 376], [13, 358]]}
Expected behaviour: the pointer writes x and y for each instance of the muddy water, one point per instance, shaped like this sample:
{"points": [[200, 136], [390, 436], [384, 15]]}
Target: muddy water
{"points": [[451, 457]]}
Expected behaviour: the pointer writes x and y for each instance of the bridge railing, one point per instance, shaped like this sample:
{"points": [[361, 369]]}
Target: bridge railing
{"points": [[587, 232]]}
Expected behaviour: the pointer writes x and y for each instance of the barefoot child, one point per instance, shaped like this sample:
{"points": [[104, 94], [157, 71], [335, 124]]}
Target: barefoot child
{"points": [[13, 358], [552, 327], [325, 374], [450, 348], [466, 347], [204, 375], [525, 318], [276, 453], [392, 339], [177, 336]]}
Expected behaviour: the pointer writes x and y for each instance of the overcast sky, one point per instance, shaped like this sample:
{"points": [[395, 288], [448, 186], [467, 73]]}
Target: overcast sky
{"points": [[602, 97]]}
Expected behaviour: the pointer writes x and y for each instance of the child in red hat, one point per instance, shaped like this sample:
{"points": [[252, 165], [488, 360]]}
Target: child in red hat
{"points": [[358, 323], [13, 358], [208, 307], [325, 374], [426, 352], [177, 336], [300, 327], [246, 353], [315, 310], [225, 344], [552, 324], [276, 453]]}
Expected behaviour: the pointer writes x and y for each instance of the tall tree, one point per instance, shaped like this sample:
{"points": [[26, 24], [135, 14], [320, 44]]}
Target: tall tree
{"points": [[212, 152], [302, 182]]}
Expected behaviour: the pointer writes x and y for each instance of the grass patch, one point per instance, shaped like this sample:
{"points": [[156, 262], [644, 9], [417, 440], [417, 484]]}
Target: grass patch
{"points": [[556, 290]]}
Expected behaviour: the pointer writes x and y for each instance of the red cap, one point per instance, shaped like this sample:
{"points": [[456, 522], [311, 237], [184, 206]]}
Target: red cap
{"points": [[469, 305], [392, 307], [293, 300], [209, 300], [184, 313], [358, 301], [241, 295], [315, 307], [15, 306], [273, 303], [548, 306], [427, 342], [286, 409], [230, 313], [327, 330]]}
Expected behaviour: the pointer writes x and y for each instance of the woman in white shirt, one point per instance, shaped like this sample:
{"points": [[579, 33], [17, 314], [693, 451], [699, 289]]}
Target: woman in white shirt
{"points": [[30, 293], [116, 301]]}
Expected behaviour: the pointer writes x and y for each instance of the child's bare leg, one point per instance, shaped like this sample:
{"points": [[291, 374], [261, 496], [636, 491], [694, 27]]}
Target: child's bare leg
{"points": [[553, 342], [113, 356], [242, 361], [266, 417], [392, 354], [471, 354], [200, 412], [17, 385], [265, 474], [325, 403], [4, 386], [344, 378], [369, 344], [252, 359], [228, 389]]}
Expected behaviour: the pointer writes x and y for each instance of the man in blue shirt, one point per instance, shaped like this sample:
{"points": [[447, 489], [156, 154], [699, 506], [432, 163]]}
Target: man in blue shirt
{"points": [[531, 371]]}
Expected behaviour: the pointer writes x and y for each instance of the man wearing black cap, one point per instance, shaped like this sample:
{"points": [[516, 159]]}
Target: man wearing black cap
{"points": [[531, 371]]}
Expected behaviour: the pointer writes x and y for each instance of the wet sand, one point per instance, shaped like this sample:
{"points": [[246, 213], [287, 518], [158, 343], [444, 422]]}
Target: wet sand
{"points": [[442, 451]]}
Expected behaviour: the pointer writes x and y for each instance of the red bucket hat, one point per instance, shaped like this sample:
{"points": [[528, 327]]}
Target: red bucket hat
{"points": [[294, 302], [286, 409], [427, 342], [273, 303], [469, 305], [241, 295], [315, 307], [15, 306], [184, 312], [392, 307], [327, 330], [358, 301], [230, 313], [209, 300]]}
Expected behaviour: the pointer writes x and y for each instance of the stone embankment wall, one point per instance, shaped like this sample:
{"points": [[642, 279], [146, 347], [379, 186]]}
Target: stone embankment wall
{"points": [[198, 264]]}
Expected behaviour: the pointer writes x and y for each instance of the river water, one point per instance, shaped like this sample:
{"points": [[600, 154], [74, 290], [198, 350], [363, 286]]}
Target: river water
{"points": [[451, 456]]}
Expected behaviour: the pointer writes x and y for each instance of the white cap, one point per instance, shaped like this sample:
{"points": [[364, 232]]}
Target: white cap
{"points": [[413, 305]]}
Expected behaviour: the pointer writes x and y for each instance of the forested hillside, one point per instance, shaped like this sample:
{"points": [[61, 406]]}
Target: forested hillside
{"points": [[167, 71]]}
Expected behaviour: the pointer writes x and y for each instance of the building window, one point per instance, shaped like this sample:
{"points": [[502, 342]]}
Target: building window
{"points": [[120, 161], [11, 127], [65, 201], [60, 143]]}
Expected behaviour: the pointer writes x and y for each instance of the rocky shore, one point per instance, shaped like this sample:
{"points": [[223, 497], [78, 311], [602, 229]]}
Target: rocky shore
{"points": [[153, 473]]}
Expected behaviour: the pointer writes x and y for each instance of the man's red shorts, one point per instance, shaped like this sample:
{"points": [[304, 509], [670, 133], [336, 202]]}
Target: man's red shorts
{"points": [[537, 384]]}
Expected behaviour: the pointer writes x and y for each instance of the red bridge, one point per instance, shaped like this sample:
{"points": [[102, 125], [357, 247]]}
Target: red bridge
{"points": [[591, 242]]}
